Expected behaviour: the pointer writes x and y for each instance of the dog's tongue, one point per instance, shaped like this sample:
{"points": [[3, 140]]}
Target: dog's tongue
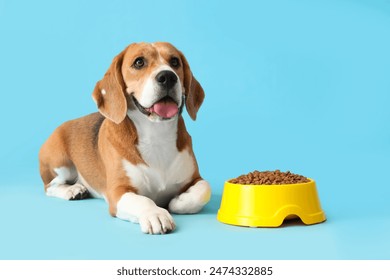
{"points": [[165, 109]]}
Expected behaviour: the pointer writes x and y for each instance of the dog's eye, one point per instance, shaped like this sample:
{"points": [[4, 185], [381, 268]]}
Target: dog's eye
{"points": [[139, 62], [174, 62]]}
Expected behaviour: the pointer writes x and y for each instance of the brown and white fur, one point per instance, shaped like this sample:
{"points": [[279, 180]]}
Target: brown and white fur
{"points": [[135, 157]]}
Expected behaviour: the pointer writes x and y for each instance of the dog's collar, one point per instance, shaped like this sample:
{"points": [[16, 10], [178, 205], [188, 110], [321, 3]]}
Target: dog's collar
{"points": [[147, 113]]}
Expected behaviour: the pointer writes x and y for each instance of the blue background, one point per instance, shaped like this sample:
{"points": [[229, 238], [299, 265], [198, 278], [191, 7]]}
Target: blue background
{"points": [[291, 85]]}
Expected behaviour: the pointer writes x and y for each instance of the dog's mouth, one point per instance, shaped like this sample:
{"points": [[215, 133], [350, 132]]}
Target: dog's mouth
{"points": [[166, 108]]}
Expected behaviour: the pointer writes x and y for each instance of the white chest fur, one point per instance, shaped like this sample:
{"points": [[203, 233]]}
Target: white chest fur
{"points": [[166, 170]]}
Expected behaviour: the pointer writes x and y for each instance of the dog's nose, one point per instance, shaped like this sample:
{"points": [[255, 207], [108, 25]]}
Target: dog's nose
{"points": [[166, 79]]}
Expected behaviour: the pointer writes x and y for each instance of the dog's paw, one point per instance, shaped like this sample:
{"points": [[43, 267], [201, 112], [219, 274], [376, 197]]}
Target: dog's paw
{"points": [[77, 192], [68, 192], [156, 221], [191, 201]]}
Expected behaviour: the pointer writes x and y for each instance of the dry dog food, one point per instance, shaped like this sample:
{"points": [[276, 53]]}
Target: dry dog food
{"points": [[269, 178]]}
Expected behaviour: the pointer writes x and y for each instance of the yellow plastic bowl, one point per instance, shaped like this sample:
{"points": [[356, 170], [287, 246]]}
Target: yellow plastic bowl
{"points": [[270, 205]]}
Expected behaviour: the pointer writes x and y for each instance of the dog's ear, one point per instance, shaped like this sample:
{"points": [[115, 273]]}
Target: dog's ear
{"points": [[109, 92], [193, 90]]}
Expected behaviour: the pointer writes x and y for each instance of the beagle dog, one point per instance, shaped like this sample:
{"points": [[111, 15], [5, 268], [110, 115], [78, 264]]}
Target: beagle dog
{"points": [[135, 152]]}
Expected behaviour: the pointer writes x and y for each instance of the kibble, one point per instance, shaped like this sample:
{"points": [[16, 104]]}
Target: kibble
{"points": [[269, 178]]}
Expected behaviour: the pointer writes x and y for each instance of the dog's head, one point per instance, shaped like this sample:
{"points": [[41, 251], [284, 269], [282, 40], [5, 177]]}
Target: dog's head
{"points": [[152, 78]]}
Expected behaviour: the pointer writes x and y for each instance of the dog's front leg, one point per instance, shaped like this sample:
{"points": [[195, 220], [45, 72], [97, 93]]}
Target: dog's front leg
{"points": [[192, 200], [140, 209]]}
